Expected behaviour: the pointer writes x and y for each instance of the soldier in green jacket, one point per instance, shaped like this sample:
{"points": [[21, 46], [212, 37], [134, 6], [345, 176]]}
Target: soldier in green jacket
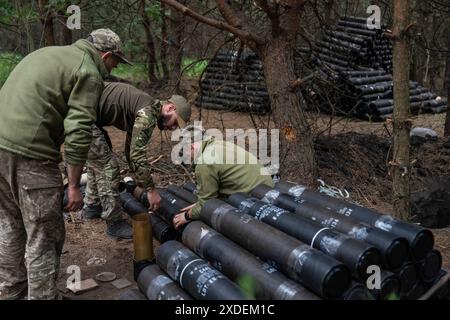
{"points": [[135, 112], [49, 98], [221, 169]]}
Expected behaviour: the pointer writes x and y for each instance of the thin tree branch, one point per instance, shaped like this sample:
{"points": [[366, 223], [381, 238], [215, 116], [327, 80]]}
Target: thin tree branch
{"points": [[243, 35]]}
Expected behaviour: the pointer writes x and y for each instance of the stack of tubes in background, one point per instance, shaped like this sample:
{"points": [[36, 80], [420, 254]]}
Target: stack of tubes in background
{"points": [[348, 71], [289, 246]]}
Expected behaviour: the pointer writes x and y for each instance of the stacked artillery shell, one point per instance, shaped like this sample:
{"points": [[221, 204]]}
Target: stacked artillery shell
{"points": [[194, 274], [394, 249], [375, 94], [316, 271], [237, 263], [355, 254], [350, 67], [182, 193], [156, 285], [421, 240], [409, 281], [234, 81]]}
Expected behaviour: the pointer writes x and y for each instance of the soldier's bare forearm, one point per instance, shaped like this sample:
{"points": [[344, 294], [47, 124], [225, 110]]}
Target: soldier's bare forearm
{"points": [[74, 175]]}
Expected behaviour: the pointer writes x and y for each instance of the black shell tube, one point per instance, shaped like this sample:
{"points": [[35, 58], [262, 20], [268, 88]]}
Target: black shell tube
{"points": [[236, 263], [170, 205], [161, 230], [316, 271], [190, 186], [355, 254], [417, 290], [194, 274], [421, 240], [156, 285], [444, 292], [357, 291], [430, 267], [408, 276], [182, 193], [394, 249], [389, 288]]}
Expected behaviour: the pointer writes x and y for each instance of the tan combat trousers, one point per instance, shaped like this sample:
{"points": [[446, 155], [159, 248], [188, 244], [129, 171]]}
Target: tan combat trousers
{"points": [[32, 229]]}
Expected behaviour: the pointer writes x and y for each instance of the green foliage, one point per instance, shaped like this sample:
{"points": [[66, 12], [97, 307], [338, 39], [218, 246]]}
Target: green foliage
{"points": [[153, 11], [59, 5], [7, 63], [192, 68], [135, 73], [248, 286], [393, 296], [7, 11]]}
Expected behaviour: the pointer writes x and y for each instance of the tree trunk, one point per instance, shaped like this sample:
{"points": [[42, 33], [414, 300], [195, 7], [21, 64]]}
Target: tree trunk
{"points": [[177, 26], [331, 9], [66, 33], [400, 165], [295, 133], [447, 86], [149, 44], [164, 43], [47, 22]]}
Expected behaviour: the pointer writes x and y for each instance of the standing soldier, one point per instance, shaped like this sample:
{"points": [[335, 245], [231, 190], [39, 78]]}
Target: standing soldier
{"points": [[49, 99], [134, 111]]}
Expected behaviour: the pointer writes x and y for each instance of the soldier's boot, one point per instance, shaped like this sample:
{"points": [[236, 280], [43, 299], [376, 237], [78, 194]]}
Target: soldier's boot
{"points": [[92, 211], [120, 229]]}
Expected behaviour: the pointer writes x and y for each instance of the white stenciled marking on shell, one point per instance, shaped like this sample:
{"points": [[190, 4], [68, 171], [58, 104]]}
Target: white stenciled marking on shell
{"points": [[208, 276], [285, 291], [174, 263], [346, 211], [155, 288], [269, 210], [268, 268], [245, 218], [245, 205], [359, 233], [297, 258], [270, 196], [385, 223], [331, 243], [297, 190], [218, 214], [203, 233]]}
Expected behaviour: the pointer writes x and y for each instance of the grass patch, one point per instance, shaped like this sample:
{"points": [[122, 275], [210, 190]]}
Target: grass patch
{"points": [[7, 63], [193, 68], [135, 73]]}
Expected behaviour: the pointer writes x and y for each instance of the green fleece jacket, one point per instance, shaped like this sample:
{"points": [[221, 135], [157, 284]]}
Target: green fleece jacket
{"points": [[224, 168], [50, 98]]}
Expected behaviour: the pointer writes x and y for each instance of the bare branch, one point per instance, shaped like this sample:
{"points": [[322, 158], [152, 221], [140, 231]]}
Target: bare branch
{"points": [[242, 34]]}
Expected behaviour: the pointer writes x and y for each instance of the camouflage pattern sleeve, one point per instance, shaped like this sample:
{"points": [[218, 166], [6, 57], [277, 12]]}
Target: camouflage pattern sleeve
{"points": [[144, 124]]}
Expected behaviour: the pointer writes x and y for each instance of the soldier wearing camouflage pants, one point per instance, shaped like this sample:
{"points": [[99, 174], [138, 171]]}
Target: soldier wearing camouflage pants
{"points": [[134, 111], [48, 99]]}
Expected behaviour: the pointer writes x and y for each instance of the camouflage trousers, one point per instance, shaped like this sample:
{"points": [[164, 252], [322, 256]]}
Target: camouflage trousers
{"points": [[103, 178], [32, 229]]}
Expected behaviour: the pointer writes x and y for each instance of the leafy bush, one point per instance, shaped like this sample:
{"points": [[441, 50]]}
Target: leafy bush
{"points": [[7, 63]]}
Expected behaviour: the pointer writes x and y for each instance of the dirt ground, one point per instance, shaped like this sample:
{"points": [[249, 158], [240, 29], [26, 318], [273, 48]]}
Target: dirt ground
{"points": [[354, 162]]}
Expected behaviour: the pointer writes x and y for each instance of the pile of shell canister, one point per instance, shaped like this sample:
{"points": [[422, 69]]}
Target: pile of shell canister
{"points": [[348, 71], [284, 243]]}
